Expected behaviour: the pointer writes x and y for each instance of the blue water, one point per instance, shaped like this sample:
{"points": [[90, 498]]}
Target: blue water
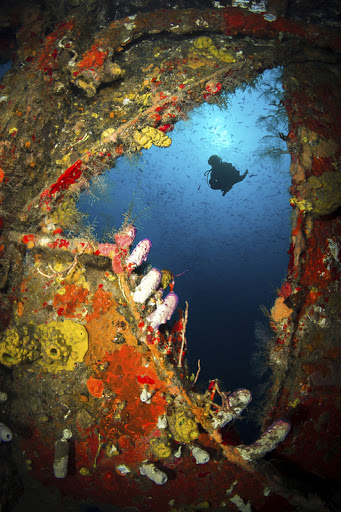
{"points": [[6, 66], [234, 247]]}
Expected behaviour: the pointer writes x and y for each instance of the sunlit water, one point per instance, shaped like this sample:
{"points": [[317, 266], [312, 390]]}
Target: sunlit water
{"points": [[234, 247]]}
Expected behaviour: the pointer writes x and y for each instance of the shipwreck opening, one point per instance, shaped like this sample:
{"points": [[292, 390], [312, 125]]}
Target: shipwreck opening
{"points": [[231, 250], [93, 368]]}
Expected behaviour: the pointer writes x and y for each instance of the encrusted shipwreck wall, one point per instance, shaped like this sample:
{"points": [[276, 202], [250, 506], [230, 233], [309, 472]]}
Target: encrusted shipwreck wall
{"points": [[81, 351], [306, 315]]}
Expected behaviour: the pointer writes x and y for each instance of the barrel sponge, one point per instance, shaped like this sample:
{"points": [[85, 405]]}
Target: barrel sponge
{"points": [[62, 344], [183, 428], [56, 346], [19, 346]]}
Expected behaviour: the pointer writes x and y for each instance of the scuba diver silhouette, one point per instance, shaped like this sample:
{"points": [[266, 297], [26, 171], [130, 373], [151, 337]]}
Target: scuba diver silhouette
{"points": [[223, 174]]}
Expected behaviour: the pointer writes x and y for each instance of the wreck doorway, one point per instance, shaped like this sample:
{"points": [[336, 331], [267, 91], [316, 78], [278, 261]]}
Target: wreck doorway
{"points": [[231, 250]]}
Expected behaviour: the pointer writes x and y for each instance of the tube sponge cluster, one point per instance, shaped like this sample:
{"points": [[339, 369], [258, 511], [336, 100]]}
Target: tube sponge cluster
{"points": [[150, 283]]}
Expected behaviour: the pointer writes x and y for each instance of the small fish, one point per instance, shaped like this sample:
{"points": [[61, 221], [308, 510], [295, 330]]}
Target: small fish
{"points": [[199, 187]]}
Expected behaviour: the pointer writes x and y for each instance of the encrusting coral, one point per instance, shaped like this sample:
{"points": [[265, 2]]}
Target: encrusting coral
{"points": [[189, 410], [149, 136], [205, 46], [61, 344], [19, 346]]}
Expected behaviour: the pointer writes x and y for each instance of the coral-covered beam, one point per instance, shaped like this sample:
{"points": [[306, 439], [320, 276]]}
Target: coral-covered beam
{"points": [[231, 21]]}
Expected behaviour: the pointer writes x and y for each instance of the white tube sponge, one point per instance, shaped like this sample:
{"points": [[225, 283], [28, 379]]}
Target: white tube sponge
{"points": [[164, 311], [274, 435], [145, 396], [162, 421], [238, 400], [153, 473], [148, 284], [139, 254], [5, 433], [61, 455], [221, 418], [200, 455]]}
